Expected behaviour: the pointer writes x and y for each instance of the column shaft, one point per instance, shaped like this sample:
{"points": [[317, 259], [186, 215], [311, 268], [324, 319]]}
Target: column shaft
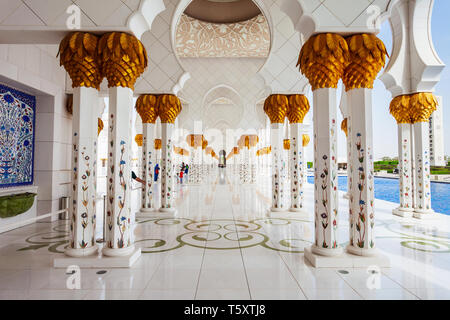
{"points": [[361, 202], [84, 162], [167, 174], [422, 177], [296, 165], [405, 168], [278, 185], [148, 165], [119, 239], [325, 173]]}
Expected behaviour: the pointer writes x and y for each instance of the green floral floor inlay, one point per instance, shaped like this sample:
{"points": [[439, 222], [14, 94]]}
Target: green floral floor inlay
{"points": [[278, 234]]}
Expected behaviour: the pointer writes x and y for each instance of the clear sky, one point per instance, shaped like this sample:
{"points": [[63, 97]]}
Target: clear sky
{"points": [[385, 133]]}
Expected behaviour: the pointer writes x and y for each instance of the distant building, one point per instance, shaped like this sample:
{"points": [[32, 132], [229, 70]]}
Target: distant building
{"points": [[437, 136]]}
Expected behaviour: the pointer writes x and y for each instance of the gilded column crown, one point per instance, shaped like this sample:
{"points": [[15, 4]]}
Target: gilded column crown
{"points": [[344, 126], [323, 59], [146, 107], [78, 54], [287, 144], [422, 105], [276, 106], [100, 126], [400, 109], [123, 58], [204, 143], [168, 107], [306, 140], [139, 140], [157, 144], [195, 140], [208, 150], [298, 107], [367, 58], [236, 150]]}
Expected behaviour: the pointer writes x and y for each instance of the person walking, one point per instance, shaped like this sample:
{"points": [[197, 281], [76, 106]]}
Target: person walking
{"points": [[156, 172]]}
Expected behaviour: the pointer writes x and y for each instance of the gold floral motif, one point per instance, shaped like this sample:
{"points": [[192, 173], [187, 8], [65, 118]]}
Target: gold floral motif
{"points": [[146, 107], [100, 126], [195, 140], [305, 140], [298, 108], [168, 107], [78, 54], [413, 108], [123, 58], [139, 139], [276, 106], [344, 126], [287, 144], [323, 59], [422, 105], [367, 58], [157, 144]]}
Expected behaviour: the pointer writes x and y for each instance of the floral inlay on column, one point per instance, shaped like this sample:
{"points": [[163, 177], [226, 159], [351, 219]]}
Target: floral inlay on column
{"points": [[276, 106], [367, 58], [322, 60], [78, 55], [146, 107], [168, 108], [297, 110]]}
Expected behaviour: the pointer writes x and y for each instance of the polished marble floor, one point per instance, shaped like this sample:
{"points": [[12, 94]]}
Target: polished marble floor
{"points": [[222, 244]]}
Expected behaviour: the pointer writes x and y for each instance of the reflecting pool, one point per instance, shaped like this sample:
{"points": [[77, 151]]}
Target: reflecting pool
{"points": [[388, 190]]}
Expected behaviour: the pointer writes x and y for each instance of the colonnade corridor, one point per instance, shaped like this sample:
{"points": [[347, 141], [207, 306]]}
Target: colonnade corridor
{"points": [[222, 243]]}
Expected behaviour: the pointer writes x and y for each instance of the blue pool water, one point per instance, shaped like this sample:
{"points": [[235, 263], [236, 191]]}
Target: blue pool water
{"points": [[388, 190]]}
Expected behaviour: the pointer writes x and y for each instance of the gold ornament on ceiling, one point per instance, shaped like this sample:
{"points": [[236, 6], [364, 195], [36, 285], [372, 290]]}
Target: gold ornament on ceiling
{"points": [[400, 110], [367, 58], [157, 144], [276, 106], [195, 140], [100, 126], [323, 59], [123, 58], [168, 107], [139, 139], [146, 107], [344, 126], [305, 140], [298, 107], [422, 105], [69, 103], [78, 54], [204, 143]]}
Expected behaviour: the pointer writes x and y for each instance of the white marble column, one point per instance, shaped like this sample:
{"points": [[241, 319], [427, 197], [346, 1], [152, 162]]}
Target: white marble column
{"points": [[325, 173], [84, 162], [119, 237], [361, 203], [278, 185], [167, 174], [297, 165], [422, 207], [406, 174], [148, 137]]}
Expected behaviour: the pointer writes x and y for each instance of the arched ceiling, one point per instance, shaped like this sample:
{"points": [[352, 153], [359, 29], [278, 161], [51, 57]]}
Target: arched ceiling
{"points": [[222, 11]]}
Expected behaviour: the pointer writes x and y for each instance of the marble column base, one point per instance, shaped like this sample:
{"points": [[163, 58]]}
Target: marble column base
{"points": [[166, 212], [100, 261], [272, 209], [403, 212], [76, 253], [147, 213], [345, 260], [424, 214]]}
